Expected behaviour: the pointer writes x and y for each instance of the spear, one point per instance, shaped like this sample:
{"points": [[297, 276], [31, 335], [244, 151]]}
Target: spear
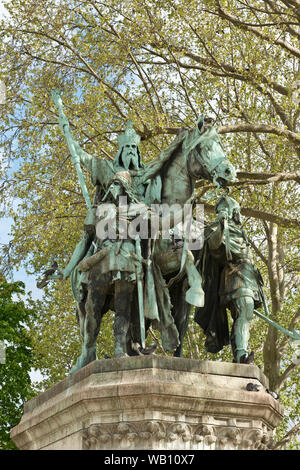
{"points": [[292, 334], [64, 125]]}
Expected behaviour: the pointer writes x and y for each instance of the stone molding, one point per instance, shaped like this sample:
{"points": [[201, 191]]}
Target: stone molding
{"points": [[162, 435]]}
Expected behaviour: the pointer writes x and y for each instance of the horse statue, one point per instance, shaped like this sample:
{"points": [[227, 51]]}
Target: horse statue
{"points": [[193, 155], [169, 179]]}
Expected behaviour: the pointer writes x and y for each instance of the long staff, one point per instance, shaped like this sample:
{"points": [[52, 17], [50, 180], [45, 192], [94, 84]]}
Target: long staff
{"points": [[64, 125]]}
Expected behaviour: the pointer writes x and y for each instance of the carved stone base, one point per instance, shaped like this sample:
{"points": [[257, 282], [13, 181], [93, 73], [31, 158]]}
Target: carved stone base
{"points": [[152, 402]]}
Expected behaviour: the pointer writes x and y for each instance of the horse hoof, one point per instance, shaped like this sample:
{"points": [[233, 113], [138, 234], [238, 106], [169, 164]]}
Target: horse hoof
{"points": [[121, 355], [85, 359], [148, 351]]}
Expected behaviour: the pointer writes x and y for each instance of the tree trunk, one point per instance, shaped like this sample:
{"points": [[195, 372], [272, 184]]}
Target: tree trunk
{"points": [[271, 353]]}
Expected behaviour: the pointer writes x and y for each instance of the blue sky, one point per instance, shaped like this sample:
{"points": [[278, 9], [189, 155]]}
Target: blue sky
{"points": [[2, 9], [5, 227], [20, 275]]}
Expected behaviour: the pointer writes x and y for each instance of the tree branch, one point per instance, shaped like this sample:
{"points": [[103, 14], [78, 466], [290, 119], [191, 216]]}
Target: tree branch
{"points": [[283, 23], [280, 445], [261, 128], [294, 5], [272, 178], [258, 252], [265, 37], [285, 375], [225, 69], [268, 176], [285, 341], [264, 216]]}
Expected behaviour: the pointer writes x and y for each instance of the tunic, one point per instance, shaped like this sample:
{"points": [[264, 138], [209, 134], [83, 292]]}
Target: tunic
{"points": [[239, 276]]}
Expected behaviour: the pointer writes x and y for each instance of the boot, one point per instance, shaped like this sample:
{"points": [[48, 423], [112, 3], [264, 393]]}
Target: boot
{"points": [[247, 358]]}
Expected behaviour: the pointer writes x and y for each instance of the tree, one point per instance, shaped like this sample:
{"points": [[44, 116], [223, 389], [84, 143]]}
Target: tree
{"points": [[15, 388], [159, 64]]}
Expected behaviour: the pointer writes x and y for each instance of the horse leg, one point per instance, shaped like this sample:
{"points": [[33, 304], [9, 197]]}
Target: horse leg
{"points": [[90, 319], [123, 303], [81, 313], [180, 312]]}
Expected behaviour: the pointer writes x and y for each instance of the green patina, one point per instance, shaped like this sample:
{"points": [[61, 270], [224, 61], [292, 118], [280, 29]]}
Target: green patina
{"points": [[154, 282]]}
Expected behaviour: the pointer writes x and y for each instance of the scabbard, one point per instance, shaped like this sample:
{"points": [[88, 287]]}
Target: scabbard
{"points": [[140, 291]]}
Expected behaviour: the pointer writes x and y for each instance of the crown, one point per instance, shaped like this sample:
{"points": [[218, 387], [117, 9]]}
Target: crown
{"points": [[130, 137]]}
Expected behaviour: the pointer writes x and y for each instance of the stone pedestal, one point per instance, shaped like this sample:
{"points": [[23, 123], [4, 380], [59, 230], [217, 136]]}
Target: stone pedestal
{"points": [[152, 402]]}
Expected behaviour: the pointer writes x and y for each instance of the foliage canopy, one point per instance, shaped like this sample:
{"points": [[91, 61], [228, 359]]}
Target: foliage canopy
{"points": [[158, 63]]}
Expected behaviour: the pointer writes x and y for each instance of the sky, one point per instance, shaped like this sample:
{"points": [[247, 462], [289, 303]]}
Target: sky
{"points": [[20, 275], [2, 9]]}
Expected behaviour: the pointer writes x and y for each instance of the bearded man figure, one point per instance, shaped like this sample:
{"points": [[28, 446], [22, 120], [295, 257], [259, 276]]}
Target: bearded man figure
{"points": [[113, 279], [113, 272], [230, 281]]}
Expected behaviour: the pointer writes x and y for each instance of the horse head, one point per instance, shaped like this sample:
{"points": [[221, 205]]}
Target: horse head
{"points": [[209, 160]]}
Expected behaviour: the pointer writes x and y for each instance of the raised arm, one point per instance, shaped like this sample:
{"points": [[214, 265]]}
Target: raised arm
{"points": [[77, 152]]}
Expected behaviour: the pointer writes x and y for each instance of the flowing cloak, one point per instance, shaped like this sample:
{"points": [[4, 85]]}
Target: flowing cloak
{"points": [[225, 281], [212, 317]]}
